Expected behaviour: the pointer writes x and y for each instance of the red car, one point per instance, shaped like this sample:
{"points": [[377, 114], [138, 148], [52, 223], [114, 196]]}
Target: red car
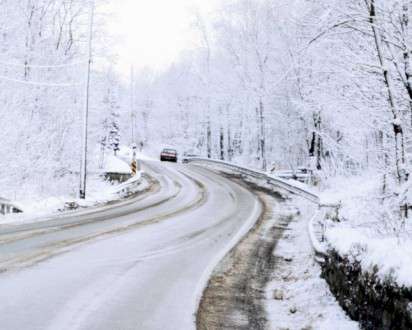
{"points": [[169, 155]]}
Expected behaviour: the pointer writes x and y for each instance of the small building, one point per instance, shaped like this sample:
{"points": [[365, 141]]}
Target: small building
{"points": [[116, 170]]}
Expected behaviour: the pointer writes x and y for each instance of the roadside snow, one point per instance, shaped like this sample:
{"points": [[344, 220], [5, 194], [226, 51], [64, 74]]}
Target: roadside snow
{"points": [[113, 164], [99, 192], [367, 234], [298, 298], [358, 196], [218, 165], [297, 184], [126, 154], [392, 256], [38, 206]]}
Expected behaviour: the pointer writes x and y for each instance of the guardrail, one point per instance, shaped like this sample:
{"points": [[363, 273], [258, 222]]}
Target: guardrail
{"points": [[316, 225], [316, 230], [123, 190], [131, 186], [282, 183], [299, 175], [7, 207]]}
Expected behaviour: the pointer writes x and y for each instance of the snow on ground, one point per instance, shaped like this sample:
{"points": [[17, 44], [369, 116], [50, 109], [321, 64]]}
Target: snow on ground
{"points": [[99, 191], [126, 154], [141, 271], [297, 297], [298, 184], [114, 164], [218, 164], [392, 256], [38, 206], [358, 196], [365, 234]]}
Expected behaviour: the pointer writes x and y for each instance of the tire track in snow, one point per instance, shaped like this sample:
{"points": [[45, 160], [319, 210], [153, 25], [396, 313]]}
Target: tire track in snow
{"points": [[48, 251]]}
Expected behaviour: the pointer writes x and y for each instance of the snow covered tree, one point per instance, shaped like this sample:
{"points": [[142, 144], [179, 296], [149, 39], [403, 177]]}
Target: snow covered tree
{"points": [[112, 104], [114, 134]]}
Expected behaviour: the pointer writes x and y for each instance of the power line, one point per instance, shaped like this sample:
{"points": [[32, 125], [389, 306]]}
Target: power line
{"points": [[39, 83], [43, 66]]}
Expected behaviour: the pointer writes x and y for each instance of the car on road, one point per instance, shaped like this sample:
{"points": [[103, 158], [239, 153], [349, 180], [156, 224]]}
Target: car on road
{"points": [[168, 155]]}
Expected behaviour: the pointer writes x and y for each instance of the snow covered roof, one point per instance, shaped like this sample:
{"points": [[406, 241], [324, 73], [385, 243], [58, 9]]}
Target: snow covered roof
{"points": [[116, 165]]}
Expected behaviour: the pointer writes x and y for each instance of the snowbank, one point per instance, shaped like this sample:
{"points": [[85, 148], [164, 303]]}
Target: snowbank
{"points": [[390, 257], [126, 154], [359, 196], [297, 284], [366, 234], [114, 164], [99, 192]]}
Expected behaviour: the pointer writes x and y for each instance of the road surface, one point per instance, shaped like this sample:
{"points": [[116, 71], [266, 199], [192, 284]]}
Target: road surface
{"points": [[142, 265]]}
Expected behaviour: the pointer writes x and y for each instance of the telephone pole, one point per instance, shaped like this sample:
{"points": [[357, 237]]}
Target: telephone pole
{"points": [[132, 109], [83, 168]]}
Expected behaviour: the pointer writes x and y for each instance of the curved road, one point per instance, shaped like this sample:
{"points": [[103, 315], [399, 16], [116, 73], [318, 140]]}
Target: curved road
{"points": [[141, 265]]}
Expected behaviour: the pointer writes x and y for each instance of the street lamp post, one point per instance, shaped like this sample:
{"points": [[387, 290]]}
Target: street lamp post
{"points": [[83, 169]]}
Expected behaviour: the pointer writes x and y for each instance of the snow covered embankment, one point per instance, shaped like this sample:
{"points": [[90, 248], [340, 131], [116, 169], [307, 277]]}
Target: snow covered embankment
{"points": [[369, 265], [100, 193], [297, 296], [291, 278]]}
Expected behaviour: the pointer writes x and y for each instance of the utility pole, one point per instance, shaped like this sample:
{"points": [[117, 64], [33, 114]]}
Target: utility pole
{"points": [[83, 169], [132, 110], [262, 140], [135, 163]]}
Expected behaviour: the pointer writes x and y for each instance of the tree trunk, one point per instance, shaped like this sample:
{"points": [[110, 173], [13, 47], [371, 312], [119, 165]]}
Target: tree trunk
{"points": [[407, 52], [222, 143], [316, 143], [229, 144], [262, 138], [209, 139], [319, 143], [396, 123]]}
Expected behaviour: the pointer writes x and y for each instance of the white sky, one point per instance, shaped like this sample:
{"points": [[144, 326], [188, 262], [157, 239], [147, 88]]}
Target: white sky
{"points": [[152, 33]]}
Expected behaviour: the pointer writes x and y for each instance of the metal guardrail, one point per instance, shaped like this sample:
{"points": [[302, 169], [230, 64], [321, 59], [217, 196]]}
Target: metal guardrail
{"points": [[7, 207], [299, 175], [316, 229], [294, 189], [130, 186], [316, 226], [126, 189], [123, 190]]}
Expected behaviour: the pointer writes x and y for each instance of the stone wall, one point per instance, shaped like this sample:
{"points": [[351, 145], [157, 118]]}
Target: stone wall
{"points": [[376, 304]]}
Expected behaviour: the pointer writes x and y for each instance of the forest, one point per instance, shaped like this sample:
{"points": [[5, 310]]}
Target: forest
{"points": [[325, 85], [274, 84]]}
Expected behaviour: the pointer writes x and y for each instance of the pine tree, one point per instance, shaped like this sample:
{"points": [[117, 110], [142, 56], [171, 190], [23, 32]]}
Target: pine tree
{"points": [[111, 103], [114, 135]]}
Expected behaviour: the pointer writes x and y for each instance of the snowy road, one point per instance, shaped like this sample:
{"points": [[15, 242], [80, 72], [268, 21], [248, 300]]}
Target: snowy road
{"points": [[141, 266]]}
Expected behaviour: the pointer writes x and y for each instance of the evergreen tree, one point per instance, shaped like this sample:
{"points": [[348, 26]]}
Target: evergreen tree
{"points": [[114, 135]]}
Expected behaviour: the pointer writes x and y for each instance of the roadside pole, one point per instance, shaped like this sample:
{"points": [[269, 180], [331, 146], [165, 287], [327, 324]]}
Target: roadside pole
{"points": [[134, 165], [132, 104], [83, 169]]}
